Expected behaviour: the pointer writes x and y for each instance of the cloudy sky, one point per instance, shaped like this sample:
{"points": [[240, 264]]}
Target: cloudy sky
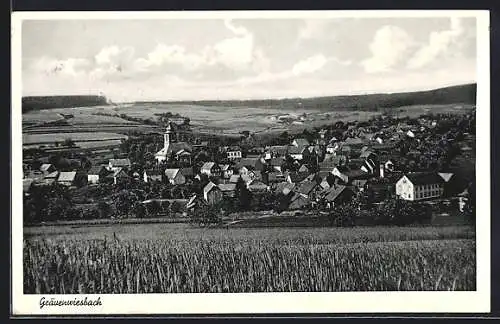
{"points": [[187, 59]]}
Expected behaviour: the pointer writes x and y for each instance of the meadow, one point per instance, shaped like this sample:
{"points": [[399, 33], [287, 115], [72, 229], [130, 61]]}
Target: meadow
{"points": [[178, 258]]}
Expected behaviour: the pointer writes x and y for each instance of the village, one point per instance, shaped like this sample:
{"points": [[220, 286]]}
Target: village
{"points": [[364, 165]]}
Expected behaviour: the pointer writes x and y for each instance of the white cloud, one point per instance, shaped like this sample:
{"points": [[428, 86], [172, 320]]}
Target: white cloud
{"points": [[440, 43], [390, 46], [70, 67], [309, 65]]}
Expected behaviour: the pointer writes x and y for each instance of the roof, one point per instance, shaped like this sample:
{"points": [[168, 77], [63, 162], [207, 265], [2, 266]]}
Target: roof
{"points": [[275, 176], [356, 174], [252, 162], [256, 185], [304, 168], [152, 172], [96, 169], [282, 186], [52, 175], [27, 183], [422, 178], [299, 201], [446, 176], [120, 162], [297, 177], [171, 173], [277, 161], [224, 167], [209, 187], [234, 178], [45, 167], [353, 141], [118, 172], [187, 172], [227, 186], [301, 142], [297, 150], [207, 166], [279, 149], [366, 154], [334, 192], [307, 187], [67, 176]]}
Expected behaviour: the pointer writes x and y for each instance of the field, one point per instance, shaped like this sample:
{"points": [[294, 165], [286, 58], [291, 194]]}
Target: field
{"points": [[175, 258]]}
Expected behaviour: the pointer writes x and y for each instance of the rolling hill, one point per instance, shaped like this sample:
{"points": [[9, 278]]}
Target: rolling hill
{"points": [[48, 102]]}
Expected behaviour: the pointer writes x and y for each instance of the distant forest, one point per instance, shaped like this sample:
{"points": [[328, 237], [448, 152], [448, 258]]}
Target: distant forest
{"points": [[48, 102], [465, 94]]}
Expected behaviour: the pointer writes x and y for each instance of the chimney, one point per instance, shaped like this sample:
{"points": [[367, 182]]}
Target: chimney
{"points": [[381, 172]]}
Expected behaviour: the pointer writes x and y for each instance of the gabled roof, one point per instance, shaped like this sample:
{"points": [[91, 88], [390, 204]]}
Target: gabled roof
{"points": [[96, 169], [249, 162], [256, 184], [307, 187], [120, 162], [67, 176], [297, 177], [224, 167], [208, 165], [153, 172], [171, 173], [353, 141], [45, 167], [278, 149], [297, 150], [299, 201], [423, 178], [303, 168], [446, 176], [209, 187], [301, 142], [52, 175], [275, 177], [332, 193], [120, 172]]}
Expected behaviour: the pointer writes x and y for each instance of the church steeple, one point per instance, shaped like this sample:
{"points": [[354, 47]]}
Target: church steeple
{"points": [[168, 136]]}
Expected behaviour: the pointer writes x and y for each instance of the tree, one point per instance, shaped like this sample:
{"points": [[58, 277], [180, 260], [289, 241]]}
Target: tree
{"points": [[243, 195], [104, 209], [139, 210], [68, 142]]}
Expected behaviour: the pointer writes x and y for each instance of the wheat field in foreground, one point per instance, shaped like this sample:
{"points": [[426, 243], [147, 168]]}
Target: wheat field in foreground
{"points": [[176, 266]]}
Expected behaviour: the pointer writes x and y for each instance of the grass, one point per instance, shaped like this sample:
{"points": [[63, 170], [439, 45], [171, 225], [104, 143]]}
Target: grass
{"points": [[256, 265]]}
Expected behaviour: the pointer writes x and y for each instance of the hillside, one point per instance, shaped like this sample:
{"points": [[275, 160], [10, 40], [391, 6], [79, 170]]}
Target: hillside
{"points": [[465, 94], [48, 102]]}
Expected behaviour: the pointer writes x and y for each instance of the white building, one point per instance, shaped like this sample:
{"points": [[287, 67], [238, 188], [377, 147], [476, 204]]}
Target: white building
{"points": [[171, 147], [419, 186]]}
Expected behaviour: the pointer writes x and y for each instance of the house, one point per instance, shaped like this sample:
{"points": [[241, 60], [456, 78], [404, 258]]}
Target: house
{"points": [[47, 168], [275, 177], [67, 178], [275, 151], [211, 169], [299, 152], [348, 175], [175, 176], [326, 179], [252, 163], [212, 193], [410, 134], [256, 185], [152, 175], [294, 177], [336, 195], [173, 149], [95, 173], [51, 177], [227, 171], [27, 185], [119, 175], [332, 147], [228, 189], [300, 142], [299, 201], [188, 173], [277, 164], [308, 188], [115, 164], [304, 169], [419, 186], [233, 152], [284, 188], [234, 178]]}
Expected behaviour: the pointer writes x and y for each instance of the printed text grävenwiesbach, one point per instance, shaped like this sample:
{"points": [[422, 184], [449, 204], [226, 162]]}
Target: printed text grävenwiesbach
{"points": [[70, 302]]}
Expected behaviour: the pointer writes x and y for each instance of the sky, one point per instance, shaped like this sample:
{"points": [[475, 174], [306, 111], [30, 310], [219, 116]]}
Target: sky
{"points": [[188, 59]]}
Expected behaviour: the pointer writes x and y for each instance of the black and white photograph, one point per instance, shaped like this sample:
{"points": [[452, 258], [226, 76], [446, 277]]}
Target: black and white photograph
{"points": [[250, 158]]}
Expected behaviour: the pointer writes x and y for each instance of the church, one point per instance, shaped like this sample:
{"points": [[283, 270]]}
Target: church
{"points": [[172, 149]]}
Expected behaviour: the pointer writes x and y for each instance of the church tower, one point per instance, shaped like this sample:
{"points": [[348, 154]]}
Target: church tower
{"points": [[168, 137]]}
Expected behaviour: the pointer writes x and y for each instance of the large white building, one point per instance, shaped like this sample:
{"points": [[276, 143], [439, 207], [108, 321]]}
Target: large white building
{"points": [[173, 149], [419, 186]]}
